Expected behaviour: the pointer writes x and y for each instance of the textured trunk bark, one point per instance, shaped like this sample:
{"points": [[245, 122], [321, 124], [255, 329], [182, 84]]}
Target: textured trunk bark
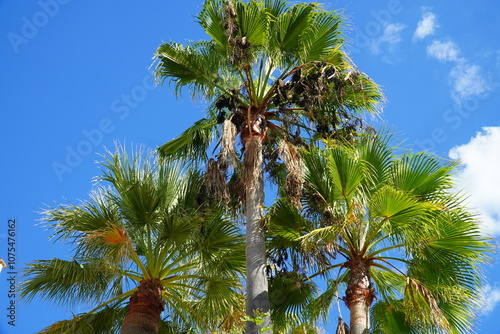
{"points": [[359, 296], [256, 284], [146, 305]]}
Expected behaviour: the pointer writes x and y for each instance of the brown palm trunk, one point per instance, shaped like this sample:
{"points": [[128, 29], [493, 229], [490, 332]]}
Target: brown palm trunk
{"points": [[256, 284], [146, 305], [359, 296]]}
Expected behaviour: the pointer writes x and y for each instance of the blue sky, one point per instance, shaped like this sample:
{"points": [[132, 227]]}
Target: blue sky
{"points": [[75, 78]]}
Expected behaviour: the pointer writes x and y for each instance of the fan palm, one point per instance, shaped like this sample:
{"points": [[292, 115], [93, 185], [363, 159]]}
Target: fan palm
{"points": [[143, 247], [391, 231], [276, 75]]}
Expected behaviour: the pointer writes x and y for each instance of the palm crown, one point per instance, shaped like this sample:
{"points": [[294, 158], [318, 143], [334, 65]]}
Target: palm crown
{"points": [[142, 244], [270, 68], [389, 229]]}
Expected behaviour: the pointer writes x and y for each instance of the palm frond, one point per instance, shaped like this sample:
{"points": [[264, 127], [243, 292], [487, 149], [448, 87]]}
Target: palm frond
{"points": [[210, 18], [421, 306], [192, 143], [195, 66], [323, 35], [69, 282], [252, 23], [398, 206], [70, 221], [345, 171], [106, 321], [422, 174], [290, 293], [290, 25], [389, 318]]}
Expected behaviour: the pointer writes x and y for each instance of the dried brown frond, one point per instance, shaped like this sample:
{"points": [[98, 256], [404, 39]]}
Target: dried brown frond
{"points": [[113, 235], [229, 17], [214, 183], [295, 171], [227, 156], [234, 319], [419, 299], [342, 327], [113, 241]]}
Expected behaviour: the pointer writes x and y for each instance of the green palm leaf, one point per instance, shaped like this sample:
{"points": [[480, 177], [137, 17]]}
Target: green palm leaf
{"points": [[323, 37], [142, 225], [192, 143], [395, 216], [68, 282]]}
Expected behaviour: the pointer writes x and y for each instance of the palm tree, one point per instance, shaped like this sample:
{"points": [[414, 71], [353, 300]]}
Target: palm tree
{"points": [[276, 75], [143, 247], [389, 229]]}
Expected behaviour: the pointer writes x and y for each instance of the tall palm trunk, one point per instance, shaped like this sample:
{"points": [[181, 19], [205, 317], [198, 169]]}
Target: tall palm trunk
{"points": [[256, 284], [146, 305], [359, 296]]}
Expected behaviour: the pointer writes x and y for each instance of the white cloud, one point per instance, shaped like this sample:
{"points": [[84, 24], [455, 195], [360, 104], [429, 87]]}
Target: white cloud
{"points": [[391, 37], [480, 176], [491, 298], [444, 51], [392, 33], [426, 26], [467, 81]]}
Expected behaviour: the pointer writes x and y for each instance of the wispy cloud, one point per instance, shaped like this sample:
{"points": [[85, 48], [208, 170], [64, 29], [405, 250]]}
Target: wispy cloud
{"points": [[468, 81], [444, 51], [426, 26], [491, 298], [479, 176], [389, 39]]}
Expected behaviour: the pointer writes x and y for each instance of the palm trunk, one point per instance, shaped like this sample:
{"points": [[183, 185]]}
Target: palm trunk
{"points": [[359, 296], [146, 305], [256, 284]]}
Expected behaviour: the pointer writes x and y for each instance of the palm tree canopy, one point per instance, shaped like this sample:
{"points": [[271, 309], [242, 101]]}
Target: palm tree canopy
{"points": [[398, 216], [277, 76], [141, 222], [270, 68]]}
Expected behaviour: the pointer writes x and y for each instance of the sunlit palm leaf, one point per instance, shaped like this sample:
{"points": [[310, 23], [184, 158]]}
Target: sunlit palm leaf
{"points": [[69, 282], [192, 143], [422, 174], [323, 35], [142, 223]]}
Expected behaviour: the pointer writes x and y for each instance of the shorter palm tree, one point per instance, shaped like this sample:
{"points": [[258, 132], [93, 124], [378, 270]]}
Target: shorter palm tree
{"points": [[147, 256], [390, 230]]}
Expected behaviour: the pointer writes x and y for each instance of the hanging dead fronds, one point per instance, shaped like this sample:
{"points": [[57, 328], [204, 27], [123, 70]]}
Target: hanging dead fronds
{"points": [[294, 171], [234, 319], [230, 19], [422, 305], [227, 156], [239, 44], [342, 327], [214, 184]]}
